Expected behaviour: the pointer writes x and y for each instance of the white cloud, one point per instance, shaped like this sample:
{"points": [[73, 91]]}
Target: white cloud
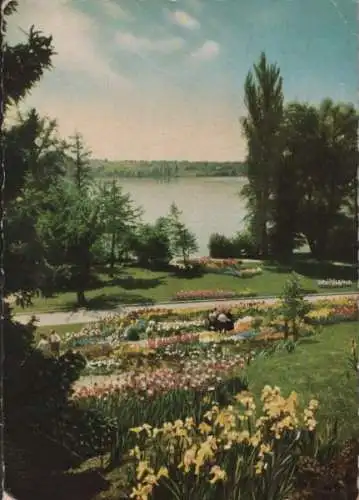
{"points": [[183, 19], [74, 34], [137, 44], [114, 10], [207, 51]]}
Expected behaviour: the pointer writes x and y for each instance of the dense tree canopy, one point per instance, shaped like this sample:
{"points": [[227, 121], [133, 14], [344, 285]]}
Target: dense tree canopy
{"points": [[302, 163], [262, 129]]}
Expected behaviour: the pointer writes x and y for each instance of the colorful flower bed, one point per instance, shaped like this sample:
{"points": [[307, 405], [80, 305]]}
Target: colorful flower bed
{"points": [[334, 314], [164, 328], [185, 324], [250, 272], [190, 375], [185, 338], [211, 294], [233, 267], [332, 283]]}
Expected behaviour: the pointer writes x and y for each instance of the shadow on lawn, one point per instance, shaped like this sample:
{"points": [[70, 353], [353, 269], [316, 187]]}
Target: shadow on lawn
{"points": [[104, 301], [324, 270], [63, 486], [45, 474], [313, 269], [131, 283], [308, 341]]}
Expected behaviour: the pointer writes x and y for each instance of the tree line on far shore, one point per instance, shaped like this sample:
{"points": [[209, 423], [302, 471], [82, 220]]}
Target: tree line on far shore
{"points": [[166, 170]]}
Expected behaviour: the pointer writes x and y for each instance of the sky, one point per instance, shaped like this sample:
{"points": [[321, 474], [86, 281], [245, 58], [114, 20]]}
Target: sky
{"points": [[163, 79]]}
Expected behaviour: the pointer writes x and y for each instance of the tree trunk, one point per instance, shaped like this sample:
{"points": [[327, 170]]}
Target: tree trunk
{"points": [[112, 254], [263, 216], [264, 240], [184, 258], [81, 299], [286, 330], [295, 331]]}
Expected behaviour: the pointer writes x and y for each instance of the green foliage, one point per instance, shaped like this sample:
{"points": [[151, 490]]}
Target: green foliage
{"points": [[183, 241], [119, 218], [68, 227], [240, 245], [302, 163], [79, 162], [151, 245], [37, 392], [36, 387], [245, 245], [176, 404], [24, 63], [293, 306], [221, 247], [262, 127]]}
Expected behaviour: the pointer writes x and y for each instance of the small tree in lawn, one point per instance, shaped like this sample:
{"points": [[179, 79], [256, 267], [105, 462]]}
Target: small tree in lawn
{"points": [[69, 228], [293, 306], [119, 217], [183, 241]]}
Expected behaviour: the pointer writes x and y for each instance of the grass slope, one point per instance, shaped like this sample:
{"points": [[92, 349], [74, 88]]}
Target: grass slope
{"points": [[319, 369]]}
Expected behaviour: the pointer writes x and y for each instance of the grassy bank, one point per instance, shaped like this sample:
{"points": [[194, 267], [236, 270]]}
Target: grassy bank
{"points": [[135, 285], [319, 369]]}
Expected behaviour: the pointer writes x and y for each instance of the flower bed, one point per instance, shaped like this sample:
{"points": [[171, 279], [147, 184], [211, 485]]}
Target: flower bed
{"points": [[225, 266], [335, 314], [102, 367], [190, 375], [211, 294], [332, 283], [178, 339], [164, 328], [168, 326], [233, 449]]}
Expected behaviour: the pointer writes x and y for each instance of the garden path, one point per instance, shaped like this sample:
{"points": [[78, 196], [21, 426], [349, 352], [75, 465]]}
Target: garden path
{"points": [[88, 316]]}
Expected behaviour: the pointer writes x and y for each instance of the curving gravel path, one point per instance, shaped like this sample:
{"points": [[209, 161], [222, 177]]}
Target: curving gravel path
{"points": [[88, 316]]}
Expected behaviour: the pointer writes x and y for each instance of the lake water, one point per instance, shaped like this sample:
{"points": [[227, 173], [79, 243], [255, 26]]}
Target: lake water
{"points": [[209, 205]]}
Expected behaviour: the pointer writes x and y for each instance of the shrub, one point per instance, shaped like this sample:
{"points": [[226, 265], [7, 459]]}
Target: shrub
{"points": [[244, 245], [151, 246], [221, 247]]}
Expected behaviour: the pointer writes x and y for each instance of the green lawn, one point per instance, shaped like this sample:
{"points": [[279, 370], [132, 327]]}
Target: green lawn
{"points": [[318, 368], [134, 285]]}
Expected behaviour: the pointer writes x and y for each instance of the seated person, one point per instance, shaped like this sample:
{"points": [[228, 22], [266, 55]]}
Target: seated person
{"points": [[225, 319], [222, 321], [212, 318]]}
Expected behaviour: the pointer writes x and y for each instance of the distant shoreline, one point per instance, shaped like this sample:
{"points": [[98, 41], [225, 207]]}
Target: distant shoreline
{"points": [[166, 169]]}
